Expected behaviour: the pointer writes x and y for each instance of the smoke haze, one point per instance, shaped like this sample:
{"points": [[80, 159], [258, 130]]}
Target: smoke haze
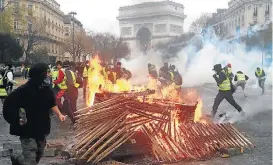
{"points": [[196, 66]]}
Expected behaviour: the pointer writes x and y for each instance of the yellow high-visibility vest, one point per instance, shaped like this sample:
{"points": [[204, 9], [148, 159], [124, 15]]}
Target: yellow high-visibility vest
{"points": [[225, 85], [260, 73], [76, 85], [54, 74], [62, 85], [240, 77], [86, 72], [3, 91]]}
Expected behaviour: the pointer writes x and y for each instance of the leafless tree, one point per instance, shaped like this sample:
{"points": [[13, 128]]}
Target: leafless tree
{"points": [[34, 35], [108, 46], [80, 46], [200, 23]]}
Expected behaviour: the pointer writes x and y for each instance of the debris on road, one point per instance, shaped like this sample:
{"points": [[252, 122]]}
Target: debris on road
{"points": [[173, 132]]}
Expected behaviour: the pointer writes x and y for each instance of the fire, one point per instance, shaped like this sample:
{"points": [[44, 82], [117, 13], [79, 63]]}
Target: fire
{"points": [[198, 111], [198, 115], [98, 83]]}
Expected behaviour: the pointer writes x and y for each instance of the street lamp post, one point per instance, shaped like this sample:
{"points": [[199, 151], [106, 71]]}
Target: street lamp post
{"points": [[73, 32]]}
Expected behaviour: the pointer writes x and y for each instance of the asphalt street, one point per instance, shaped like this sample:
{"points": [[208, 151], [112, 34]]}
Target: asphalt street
{"points": [[256, 125]]}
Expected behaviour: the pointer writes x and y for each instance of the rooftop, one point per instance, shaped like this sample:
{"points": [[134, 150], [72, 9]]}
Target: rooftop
{"points": [[152, 4], [68, 18]]}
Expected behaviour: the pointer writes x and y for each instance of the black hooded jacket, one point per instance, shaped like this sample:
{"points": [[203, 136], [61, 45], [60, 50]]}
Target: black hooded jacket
{"points": [[36, 100]]}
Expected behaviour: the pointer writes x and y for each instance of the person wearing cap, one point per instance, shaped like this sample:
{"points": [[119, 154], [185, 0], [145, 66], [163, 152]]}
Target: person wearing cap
{"points": [[61, 84], [260, 74], [87, 71], [240, 79], [27, 110], [224, 92]]}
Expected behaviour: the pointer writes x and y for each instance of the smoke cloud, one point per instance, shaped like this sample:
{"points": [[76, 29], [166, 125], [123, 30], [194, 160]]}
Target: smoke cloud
{"points": [[252, 107], [196, 65]]}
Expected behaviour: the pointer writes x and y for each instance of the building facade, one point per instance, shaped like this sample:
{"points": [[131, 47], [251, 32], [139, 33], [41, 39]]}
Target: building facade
{"points": [[68, 25], [69, 22], [241, 14], [46, 20], [146, 24], [218, 21]]}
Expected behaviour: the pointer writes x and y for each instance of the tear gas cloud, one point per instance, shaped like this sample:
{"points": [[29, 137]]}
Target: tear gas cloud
{"points": [[251, 106], [196, 65]]}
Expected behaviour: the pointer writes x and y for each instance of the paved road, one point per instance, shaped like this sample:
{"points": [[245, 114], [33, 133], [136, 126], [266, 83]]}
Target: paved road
{"points": [[257, 125]]}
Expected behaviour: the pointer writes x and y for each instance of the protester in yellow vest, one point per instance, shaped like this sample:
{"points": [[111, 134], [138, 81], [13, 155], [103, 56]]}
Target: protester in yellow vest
{"points": [[225, 92], [70, 102], [60, 82], [3, 84], [259, 73], [240, 79]]}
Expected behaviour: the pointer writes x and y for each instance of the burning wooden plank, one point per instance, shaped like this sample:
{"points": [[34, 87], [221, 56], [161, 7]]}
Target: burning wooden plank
{"points": [[170, 127]]}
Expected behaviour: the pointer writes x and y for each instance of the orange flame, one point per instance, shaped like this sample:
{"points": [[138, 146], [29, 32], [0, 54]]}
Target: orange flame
{"points": [[98, 83]]}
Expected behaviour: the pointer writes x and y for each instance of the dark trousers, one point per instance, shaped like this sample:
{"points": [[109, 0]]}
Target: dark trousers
{"points": [[70, 103], [32, 151], [220, 97], [261, 84], [85, 84]]}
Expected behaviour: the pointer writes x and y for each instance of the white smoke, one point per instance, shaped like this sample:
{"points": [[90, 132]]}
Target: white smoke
{"points": [[196, 66], [251, 107], [139, 65]]}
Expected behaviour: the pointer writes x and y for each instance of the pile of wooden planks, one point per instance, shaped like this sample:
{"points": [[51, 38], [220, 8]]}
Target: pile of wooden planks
{"points": [[107, 125]]}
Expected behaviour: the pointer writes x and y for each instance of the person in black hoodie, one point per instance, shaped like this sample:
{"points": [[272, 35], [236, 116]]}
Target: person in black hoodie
{"points": [[241, 79], [224, 84], [27, 110]]}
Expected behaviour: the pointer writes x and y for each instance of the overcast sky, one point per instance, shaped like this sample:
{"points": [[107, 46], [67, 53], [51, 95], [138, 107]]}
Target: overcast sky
{"points": [[100, 15]]}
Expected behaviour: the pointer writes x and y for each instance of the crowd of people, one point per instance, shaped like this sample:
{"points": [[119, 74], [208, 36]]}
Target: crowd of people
{"points": [[167, 75], [55, 89], [49, 88], [224, 78]]}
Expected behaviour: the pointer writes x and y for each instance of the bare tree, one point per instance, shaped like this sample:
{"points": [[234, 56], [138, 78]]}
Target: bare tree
{"points": [[200, 23], [80, 45], [109, 46], [33, 37]]}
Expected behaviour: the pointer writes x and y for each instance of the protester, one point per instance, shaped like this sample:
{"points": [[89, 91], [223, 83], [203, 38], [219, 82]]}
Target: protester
{"points": [[72, 92], [225, 90], [27, 110]]}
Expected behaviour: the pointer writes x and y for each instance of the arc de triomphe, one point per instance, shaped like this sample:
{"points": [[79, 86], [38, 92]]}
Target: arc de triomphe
{"points": [[145, 24]]}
